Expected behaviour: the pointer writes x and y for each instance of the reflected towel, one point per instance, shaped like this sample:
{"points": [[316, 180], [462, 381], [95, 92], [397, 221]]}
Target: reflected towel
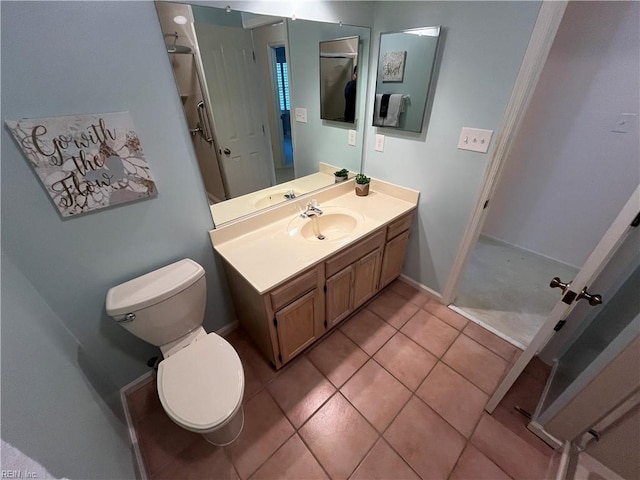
{"points": [[394, 109]]}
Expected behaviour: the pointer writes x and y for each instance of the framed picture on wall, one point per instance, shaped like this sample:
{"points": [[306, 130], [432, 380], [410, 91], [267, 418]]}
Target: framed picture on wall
{"points": [[86, 162], [393, 66]]}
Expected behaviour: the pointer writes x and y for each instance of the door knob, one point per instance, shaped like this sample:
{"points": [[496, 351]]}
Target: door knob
{"points": [[227, 151], [592, 299], [557, 283]]}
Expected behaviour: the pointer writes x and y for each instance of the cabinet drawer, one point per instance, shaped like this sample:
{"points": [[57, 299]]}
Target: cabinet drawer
{"points": [[399, 226], [293, 289], [354, 253]]}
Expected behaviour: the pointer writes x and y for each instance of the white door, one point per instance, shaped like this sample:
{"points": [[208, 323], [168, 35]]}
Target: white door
{"points": [[572, 293], [237, 107]]}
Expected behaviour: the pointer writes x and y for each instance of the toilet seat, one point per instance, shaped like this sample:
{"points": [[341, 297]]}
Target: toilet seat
{"points": [[201, 386]]}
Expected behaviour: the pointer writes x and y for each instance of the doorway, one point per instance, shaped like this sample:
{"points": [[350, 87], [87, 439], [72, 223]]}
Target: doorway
{"points": [[283, 162], [569, 171]]}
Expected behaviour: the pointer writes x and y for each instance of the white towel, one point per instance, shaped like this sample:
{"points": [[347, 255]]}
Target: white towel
{"points": [[396, 107]]}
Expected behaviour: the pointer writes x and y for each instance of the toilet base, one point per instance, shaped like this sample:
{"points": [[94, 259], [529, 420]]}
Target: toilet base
{"points": [[227, 433]]}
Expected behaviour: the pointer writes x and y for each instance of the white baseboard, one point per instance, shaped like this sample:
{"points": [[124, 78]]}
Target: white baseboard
{"points": [[432, 293]]}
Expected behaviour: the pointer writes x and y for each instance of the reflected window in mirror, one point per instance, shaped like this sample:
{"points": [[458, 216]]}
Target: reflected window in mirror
{"points": [[338, 79], [406, 62], [239, 76]]}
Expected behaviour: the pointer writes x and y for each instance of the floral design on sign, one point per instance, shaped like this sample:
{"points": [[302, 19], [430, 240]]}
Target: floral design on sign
{"points": [[86, 162]]}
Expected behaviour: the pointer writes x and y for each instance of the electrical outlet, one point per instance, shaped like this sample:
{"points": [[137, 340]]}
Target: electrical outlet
{"points": [[379, 143], [475, 139], [301, 115], [352, 138]]}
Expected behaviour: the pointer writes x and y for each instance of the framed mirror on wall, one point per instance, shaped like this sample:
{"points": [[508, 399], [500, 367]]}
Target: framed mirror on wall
{"points": [[338, 79], [240, 76], [406, 62]]}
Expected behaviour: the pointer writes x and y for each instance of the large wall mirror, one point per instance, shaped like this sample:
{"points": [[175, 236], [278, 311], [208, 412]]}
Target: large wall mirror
{"points": [[405, 69], [240, 76]]}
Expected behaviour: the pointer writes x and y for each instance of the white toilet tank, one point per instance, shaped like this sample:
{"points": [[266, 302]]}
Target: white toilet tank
{"points": [[162, 305]]}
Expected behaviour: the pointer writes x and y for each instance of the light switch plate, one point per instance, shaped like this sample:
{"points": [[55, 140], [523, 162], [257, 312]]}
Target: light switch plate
{"points": [[301, 115], [475, 139], [624, 122], [352, 138], [379, 143]]}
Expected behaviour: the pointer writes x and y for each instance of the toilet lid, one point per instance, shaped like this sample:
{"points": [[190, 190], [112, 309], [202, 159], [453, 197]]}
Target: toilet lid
{"points": [[201, 385]]}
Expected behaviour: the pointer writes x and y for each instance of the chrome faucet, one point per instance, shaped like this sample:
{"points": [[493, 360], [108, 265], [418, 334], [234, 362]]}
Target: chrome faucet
{"points": [[312, 210]]}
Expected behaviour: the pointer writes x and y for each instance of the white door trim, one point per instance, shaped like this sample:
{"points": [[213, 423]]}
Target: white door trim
{"points": [[542, 37]]}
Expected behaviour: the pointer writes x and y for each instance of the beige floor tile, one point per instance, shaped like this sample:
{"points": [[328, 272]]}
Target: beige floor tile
{"points": [[454, 397], [201, 460], [300, 391], [508, 451], [257, 371], [376, 394], [265, 430], [338, 436], [430, 332], [392, 308], [491, 341], [144, 400], [447, 315], [292, 460], [476, 363], [474, 465], [412, 294], [161, 440], [337, 358], [424, 440], [382, 463], [368, 331], [406, 360]]}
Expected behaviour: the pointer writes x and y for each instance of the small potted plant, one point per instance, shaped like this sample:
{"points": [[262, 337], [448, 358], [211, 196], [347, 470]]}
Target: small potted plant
{"points": [[362, 185], [341, 175]]}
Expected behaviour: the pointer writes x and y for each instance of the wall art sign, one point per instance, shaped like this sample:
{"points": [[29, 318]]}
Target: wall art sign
{"points": [[86, 162], [393, 66]]}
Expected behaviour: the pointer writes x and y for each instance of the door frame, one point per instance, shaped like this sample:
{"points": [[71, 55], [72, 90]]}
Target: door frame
{"points": [[535, 57]]}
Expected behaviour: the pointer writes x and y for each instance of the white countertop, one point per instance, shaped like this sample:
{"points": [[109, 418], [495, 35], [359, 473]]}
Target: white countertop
{"points": [[262, 250]]}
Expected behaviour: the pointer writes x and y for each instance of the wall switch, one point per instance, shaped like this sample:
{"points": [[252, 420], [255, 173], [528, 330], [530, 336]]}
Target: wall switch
{"points": [[624, 122], [379, 143], [301, 115], [475, 139], [352, 138]]}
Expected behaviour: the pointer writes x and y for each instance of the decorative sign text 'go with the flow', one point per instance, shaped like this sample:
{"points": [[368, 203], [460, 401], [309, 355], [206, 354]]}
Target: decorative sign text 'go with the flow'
{"points": [[86, 162]]}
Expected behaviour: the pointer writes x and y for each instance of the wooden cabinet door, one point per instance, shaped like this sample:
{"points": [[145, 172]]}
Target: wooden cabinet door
{"points": [[339, 296], [393, 258], [366, 275], [297, 324]]}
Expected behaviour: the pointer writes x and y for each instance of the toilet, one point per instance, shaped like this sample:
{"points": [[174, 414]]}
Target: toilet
{"points": [[200, 379]]}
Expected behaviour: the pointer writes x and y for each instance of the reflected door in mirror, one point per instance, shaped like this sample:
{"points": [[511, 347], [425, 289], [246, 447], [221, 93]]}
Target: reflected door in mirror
{"points": [[338, 79]]}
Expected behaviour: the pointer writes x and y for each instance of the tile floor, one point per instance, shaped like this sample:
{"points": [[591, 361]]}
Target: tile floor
{"points": [[396, 392]]}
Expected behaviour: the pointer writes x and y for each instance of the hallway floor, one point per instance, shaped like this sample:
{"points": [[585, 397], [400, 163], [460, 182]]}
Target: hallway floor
{"points": [[397, 391], [507, 288]]}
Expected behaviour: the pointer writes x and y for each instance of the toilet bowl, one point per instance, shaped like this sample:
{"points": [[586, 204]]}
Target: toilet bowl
{"points": [[200, 380]]}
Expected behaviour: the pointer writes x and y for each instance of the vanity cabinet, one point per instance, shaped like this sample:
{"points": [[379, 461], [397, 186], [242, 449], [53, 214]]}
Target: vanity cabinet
{"points": [[395, 249], [298, 316], [287, 319], [352, 277]]}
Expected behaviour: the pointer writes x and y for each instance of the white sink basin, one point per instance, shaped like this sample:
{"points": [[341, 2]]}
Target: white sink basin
{"points": [[335, 223]]}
